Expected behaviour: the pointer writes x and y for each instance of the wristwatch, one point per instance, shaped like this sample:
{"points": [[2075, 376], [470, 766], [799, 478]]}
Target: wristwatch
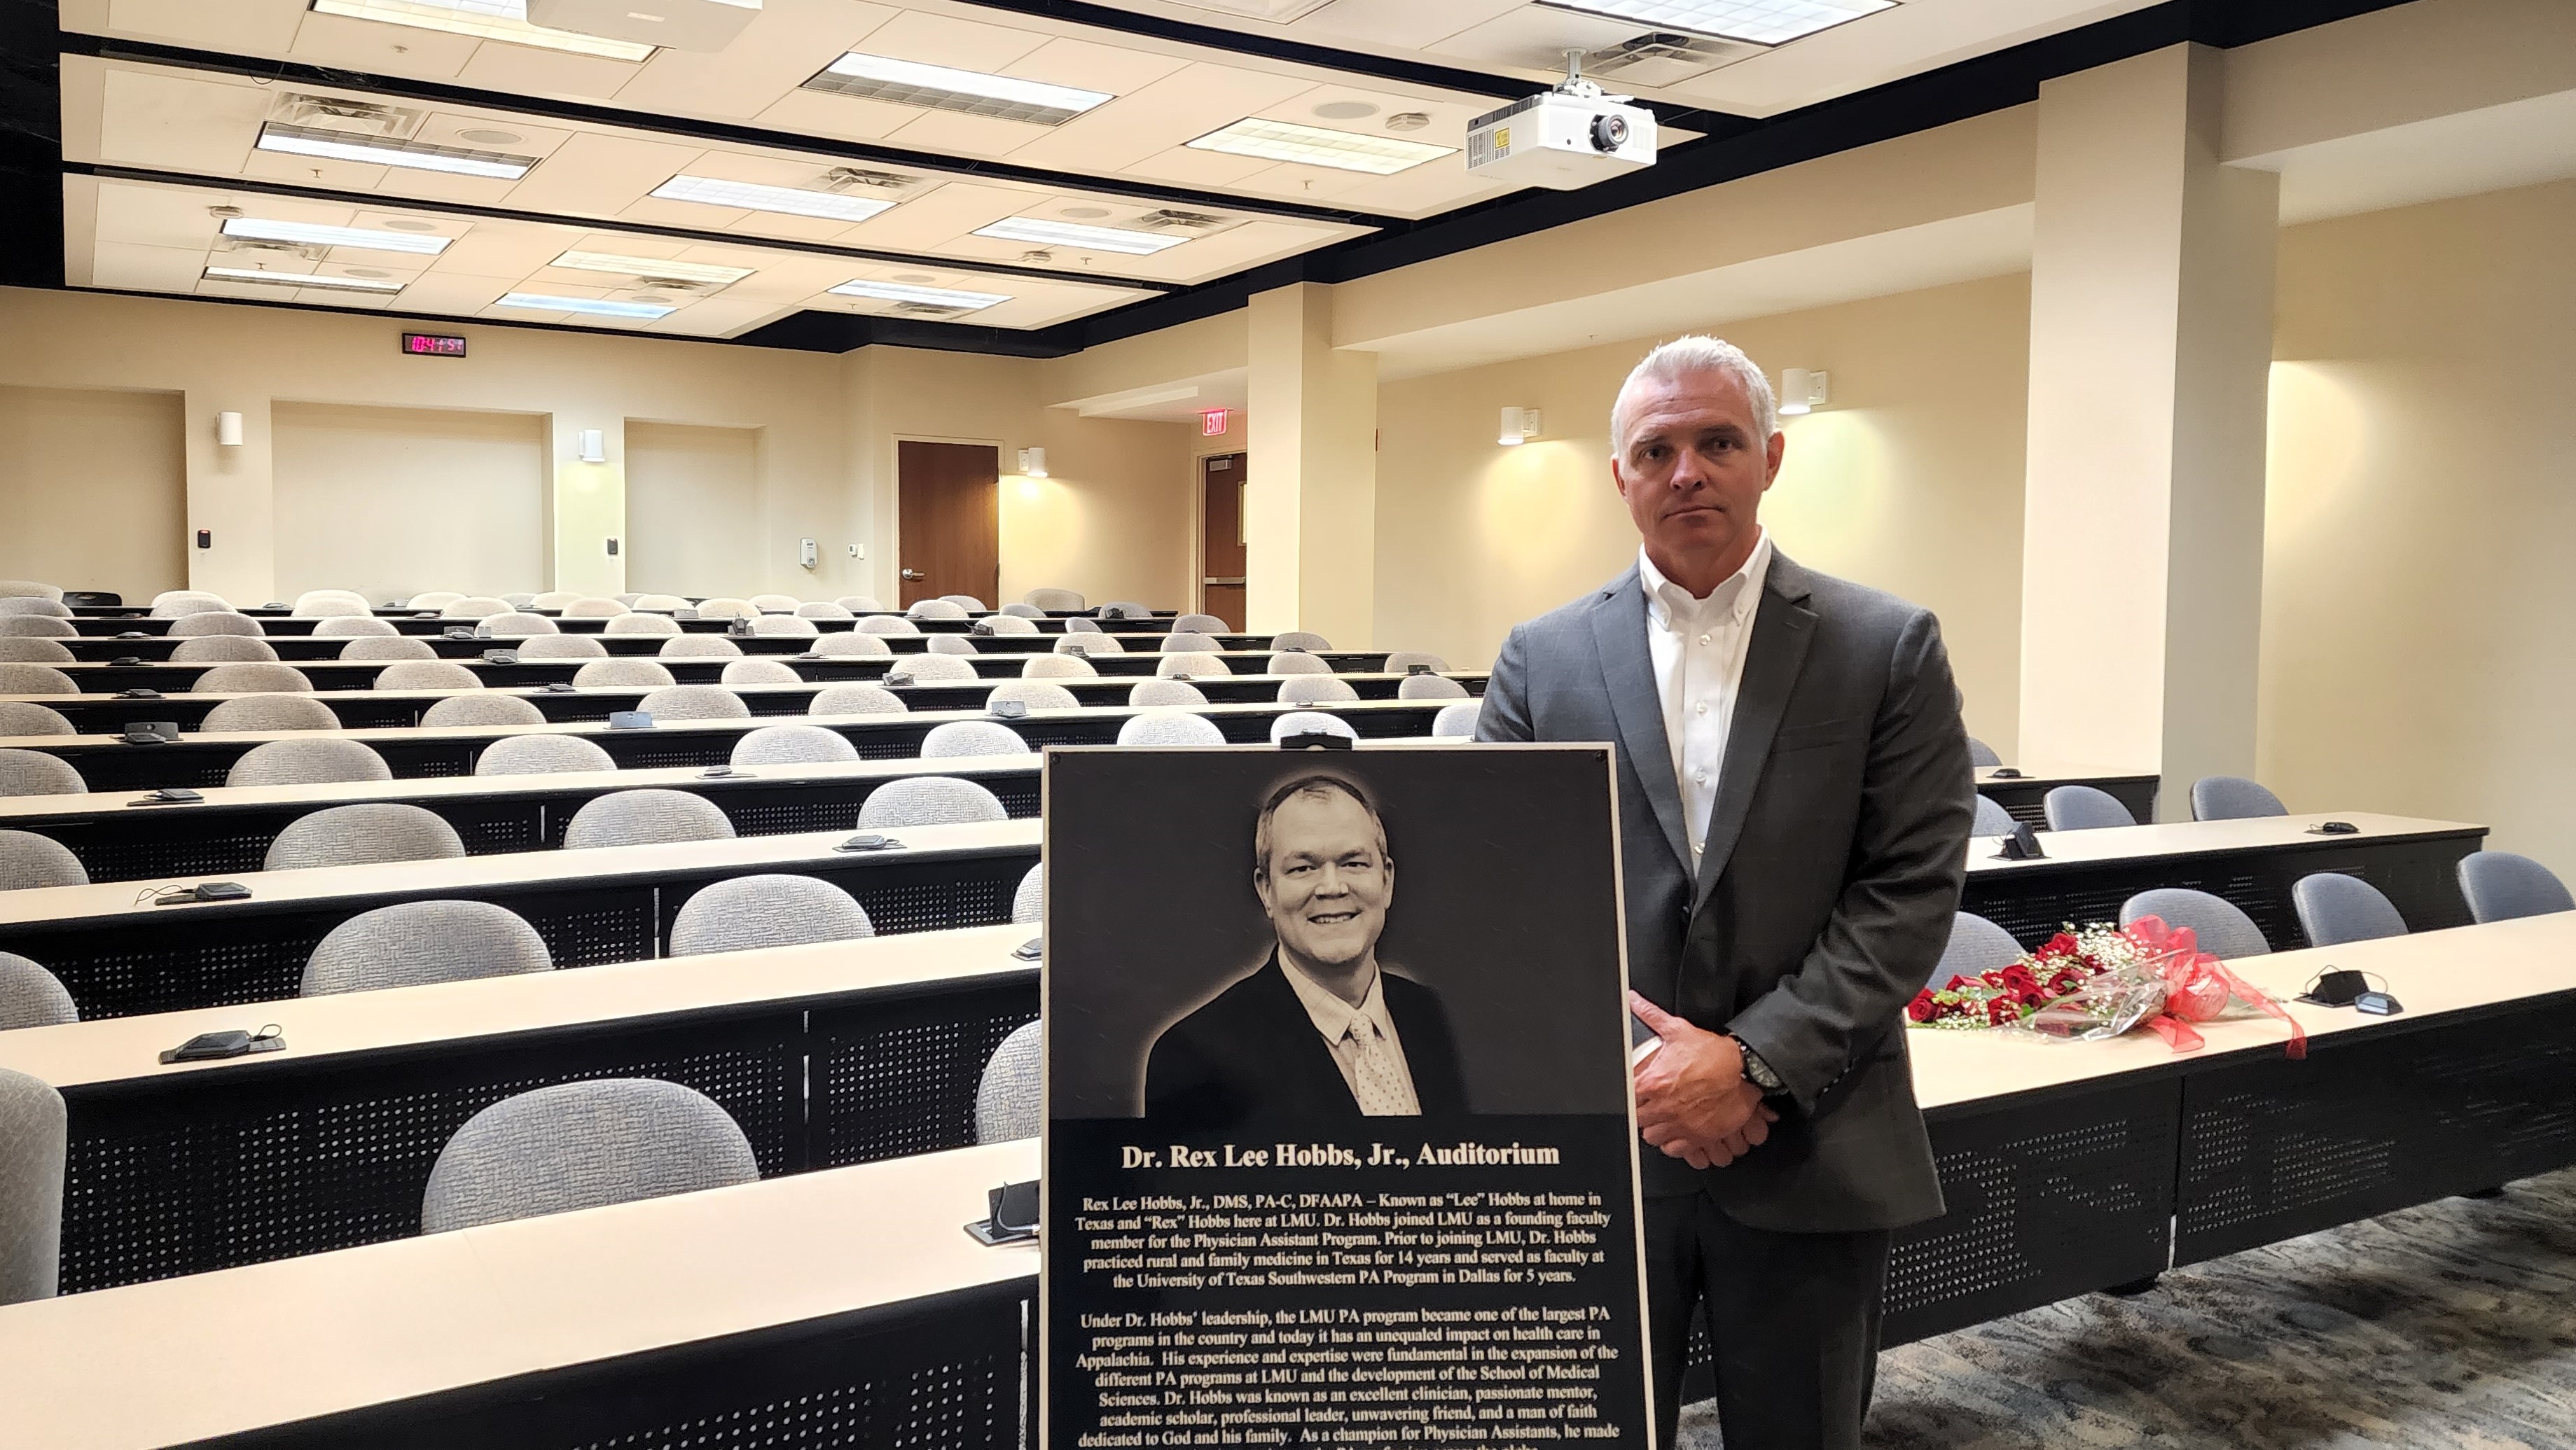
{"points": [[1758, 1072]]}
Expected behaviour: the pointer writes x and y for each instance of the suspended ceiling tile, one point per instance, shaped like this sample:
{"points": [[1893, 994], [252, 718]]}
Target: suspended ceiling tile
{"points": [[1116, 69], [160, 216], [437, 225], [1428, 188], [334, 297], [771, 224], [486, 130], [527, 69], [599, 175], [313, 171], [1399, 24], [957, 134], [444, 291], [851, 118], [775, 54], [235, 25], [1232, 250], [504, 250], [946, 40], [178, 122], [939, 217], [720, 316], [1185, 105], [1313, 185], [146, 269], [1187, 166], [1327, 106], [372, 45], [439, 186]]}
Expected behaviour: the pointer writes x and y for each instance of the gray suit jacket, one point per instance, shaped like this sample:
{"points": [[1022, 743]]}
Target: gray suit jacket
{"points": [[1834, 857]]}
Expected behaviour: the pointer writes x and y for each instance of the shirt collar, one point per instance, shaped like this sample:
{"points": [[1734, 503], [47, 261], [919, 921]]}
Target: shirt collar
{"points": [[1331, 1014], [1734, 595]]}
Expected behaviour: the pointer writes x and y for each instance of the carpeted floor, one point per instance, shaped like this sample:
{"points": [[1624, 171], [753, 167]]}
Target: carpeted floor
{"points": [[2446, 1327]]}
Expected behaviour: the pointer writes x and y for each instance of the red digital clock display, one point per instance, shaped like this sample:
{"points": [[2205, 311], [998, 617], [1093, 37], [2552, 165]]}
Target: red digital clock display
{"points": [[430, 344]]}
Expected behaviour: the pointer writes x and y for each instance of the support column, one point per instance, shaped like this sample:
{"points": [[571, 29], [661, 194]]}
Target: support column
{"points": [[1310, 527], [589, 508], [2150, 355]]}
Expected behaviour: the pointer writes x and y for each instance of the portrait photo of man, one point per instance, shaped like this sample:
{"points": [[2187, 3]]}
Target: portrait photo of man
{"points": [[1322, 1030]]}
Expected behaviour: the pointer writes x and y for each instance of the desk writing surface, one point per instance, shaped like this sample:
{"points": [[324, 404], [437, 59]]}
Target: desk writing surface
{"points": [[2175, 838], [239, 1349], [121, 1049]]}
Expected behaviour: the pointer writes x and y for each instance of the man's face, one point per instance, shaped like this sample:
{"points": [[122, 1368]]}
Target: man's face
{"points": [[1693, 470], [1330, 880]]}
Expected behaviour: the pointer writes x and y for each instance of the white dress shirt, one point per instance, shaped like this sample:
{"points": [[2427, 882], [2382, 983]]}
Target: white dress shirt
{"points": [[1697, 647], [1363, 1043]]}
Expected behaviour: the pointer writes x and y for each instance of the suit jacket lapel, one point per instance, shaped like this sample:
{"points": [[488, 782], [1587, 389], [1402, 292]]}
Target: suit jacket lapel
{"points": [[1783, 627], [1619, 630]]}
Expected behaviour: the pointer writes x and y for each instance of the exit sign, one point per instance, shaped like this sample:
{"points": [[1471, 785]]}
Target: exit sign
{"points": [[1212, 423], [430, 344]]}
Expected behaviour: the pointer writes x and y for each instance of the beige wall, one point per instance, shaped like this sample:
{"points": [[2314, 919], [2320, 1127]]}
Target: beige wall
{"points": [[93, 489], [2417, 597], [693, 511], [393, 502], [1910, 481]]}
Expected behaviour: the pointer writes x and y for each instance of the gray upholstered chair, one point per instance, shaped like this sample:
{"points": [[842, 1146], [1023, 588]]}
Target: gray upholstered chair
{"points": [[972, 737], [308, 762], [180, 603], [1001, 624], [1055, 601], [1310, 722], [365, 834], [18, 679], [856, 700], [354, 626], [593, 608], [859, 603], [30, 996], [646, 818], [658, 603], [776, 603], [747, 913], [924, 669], [433, 599], [936, 609], [520, 599], [1193, 664], [821, 609], [887, 624], [29, 861], [1982, 756], [388, 648], [1458, 719], [699, 646], [726, 607], [474, 606], [18, 717], [929, 800], [628, 599], [785, 626], [760, 670], [1295, 662], [2232, 798], [1033, 695], [2083, 808], [36, 626], [264, 713], [1170, 727], [213, 621], [330, 604], [1165, 692], [1189, 642], [583, 1145], [1992, 819], [1430, 687], [2500, 886], [646, 624], [1028, 900], [967, 602], [519, 626], [30, 589], [1125, 609], [1020, 609], [1082, 624], [793, 745], [211, 649], [35, 1141], [32, 772], [427, 675], [419, 942], [541, 755], [2217, 926], [1058, 667], [623, 672], [2334, 908], [482, 708], [1010, 1096], [21, 650], [1402, 660], [562, 647], [1976, 946], [1315, 690], [34, 607], [1305, 639], [1198, 624], [950, 644], [254, 677], [558, 600], [694, 702], [852, 644], [1088, 644]]}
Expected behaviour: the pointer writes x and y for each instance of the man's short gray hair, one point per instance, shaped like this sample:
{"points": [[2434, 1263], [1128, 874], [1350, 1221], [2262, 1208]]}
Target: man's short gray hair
{"points": [[1697, 354]]}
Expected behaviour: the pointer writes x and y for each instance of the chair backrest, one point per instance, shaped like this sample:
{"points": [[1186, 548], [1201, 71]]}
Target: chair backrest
{"points": [[699, 646], [2218, 927], [387, 647], [644, 818], [1315, 690], [541, 755], [2083, 808], [583, 1145], [1981, 756], [967, 602], [1310, 722], [1430, 687], [1165, 692], [1197, 664], [887, 624], [335, 608], [1976, 945], [29, 589], [1011, 1094], [1399, 661], [257, 678], [659, 624], [263, 713], [1069, 667], [1088, 644], [2500, 886], [1012, 624], [694, 702], [1189, 641], [1033, 695], [972, 737], [725, 607], [1198, 624], [1053, 600], [1992, 819], [427, 675], [219, 648], [35, 1142], [180, 603], [562, 647], [353, 626], [658, 603], [623, 671], [746, 913], [628, 599], [1028, 900], [2232, 798], [362, 835], [821, 609], [590, 608], [29, 861], [32, 772], [857, 700], [1458, 719], [761, 670], [929, 800], [1082, 624], [519, 626], [18, 679], [308, 762], [34, 606], [1294, 662], [482, 708], [18, 717], [859, 603], [419, 942], [787, 626], [925, 669], [213, 621], [792, 745], [36, 626], [30, 996], [1020, 609], [852, 643], [1304, 639], [473, 606], [433, 599], [951, 644], [1170, 727], [558, 600], [776, 603], [21, 649], [937, 609], [2334, 908]]}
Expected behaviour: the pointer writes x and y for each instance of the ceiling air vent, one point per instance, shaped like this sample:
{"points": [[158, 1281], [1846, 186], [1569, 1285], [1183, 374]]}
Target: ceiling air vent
{"points": [[925, 309], [1664, 57], [1184, 221], [858, 178], [336, 113], [310, 253]]}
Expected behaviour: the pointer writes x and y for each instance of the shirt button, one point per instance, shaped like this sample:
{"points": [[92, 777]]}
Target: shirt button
{"points": [[1703, 707], [1699, 777], [1703, 639]]}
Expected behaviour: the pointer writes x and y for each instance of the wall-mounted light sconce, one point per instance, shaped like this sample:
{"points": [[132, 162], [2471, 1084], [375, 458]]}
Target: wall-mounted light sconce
{"points": [[1518, 423], [1803, 390], [228, 430], [594, 446], [1033, 463]]}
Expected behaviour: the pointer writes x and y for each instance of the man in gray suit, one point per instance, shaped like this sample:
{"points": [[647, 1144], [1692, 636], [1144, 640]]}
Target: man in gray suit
{"points": [[1794, 805]]}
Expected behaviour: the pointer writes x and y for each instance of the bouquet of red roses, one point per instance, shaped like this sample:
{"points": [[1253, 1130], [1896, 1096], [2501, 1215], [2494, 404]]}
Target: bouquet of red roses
{"points": [[2088, 983]]}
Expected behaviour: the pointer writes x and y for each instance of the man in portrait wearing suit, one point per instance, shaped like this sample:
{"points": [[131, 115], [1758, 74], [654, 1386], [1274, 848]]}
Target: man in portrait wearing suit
{"points": [[1320, 1031], [1794, 805]]}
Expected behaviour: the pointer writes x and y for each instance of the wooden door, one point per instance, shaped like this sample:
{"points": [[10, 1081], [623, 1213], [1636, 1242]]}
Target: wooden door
{"points": [[949, 503], [1221, 538]]}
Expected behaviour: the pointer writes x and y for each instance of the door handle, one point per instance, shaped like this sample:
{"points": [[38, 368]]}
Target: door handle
{"points": [[915, 575]]}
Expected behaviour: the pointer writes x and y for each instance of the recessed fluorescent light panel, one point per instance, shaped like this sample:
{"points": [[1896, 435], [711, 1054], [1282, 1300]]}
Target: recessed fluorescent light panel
{"points": [[786, 200], [659, 267], [1319, 146], [910, 83], [587, 306], [927, 296], [502, 20], [308, 234], [1763, 22], [1074, 234], [416, 155], [299, 279]]}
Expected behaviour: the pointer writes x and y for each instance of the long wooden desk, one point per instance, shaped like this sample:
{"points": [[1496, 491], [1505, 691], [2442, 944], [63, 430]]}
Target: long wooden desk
{"points": [[2021, 790]]}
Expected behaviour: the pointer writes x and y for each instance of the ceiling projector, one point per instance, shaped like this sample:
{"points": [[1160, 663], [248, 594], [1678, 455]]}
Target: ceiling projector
{"points": [[1566, 138], [702, 25]]}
